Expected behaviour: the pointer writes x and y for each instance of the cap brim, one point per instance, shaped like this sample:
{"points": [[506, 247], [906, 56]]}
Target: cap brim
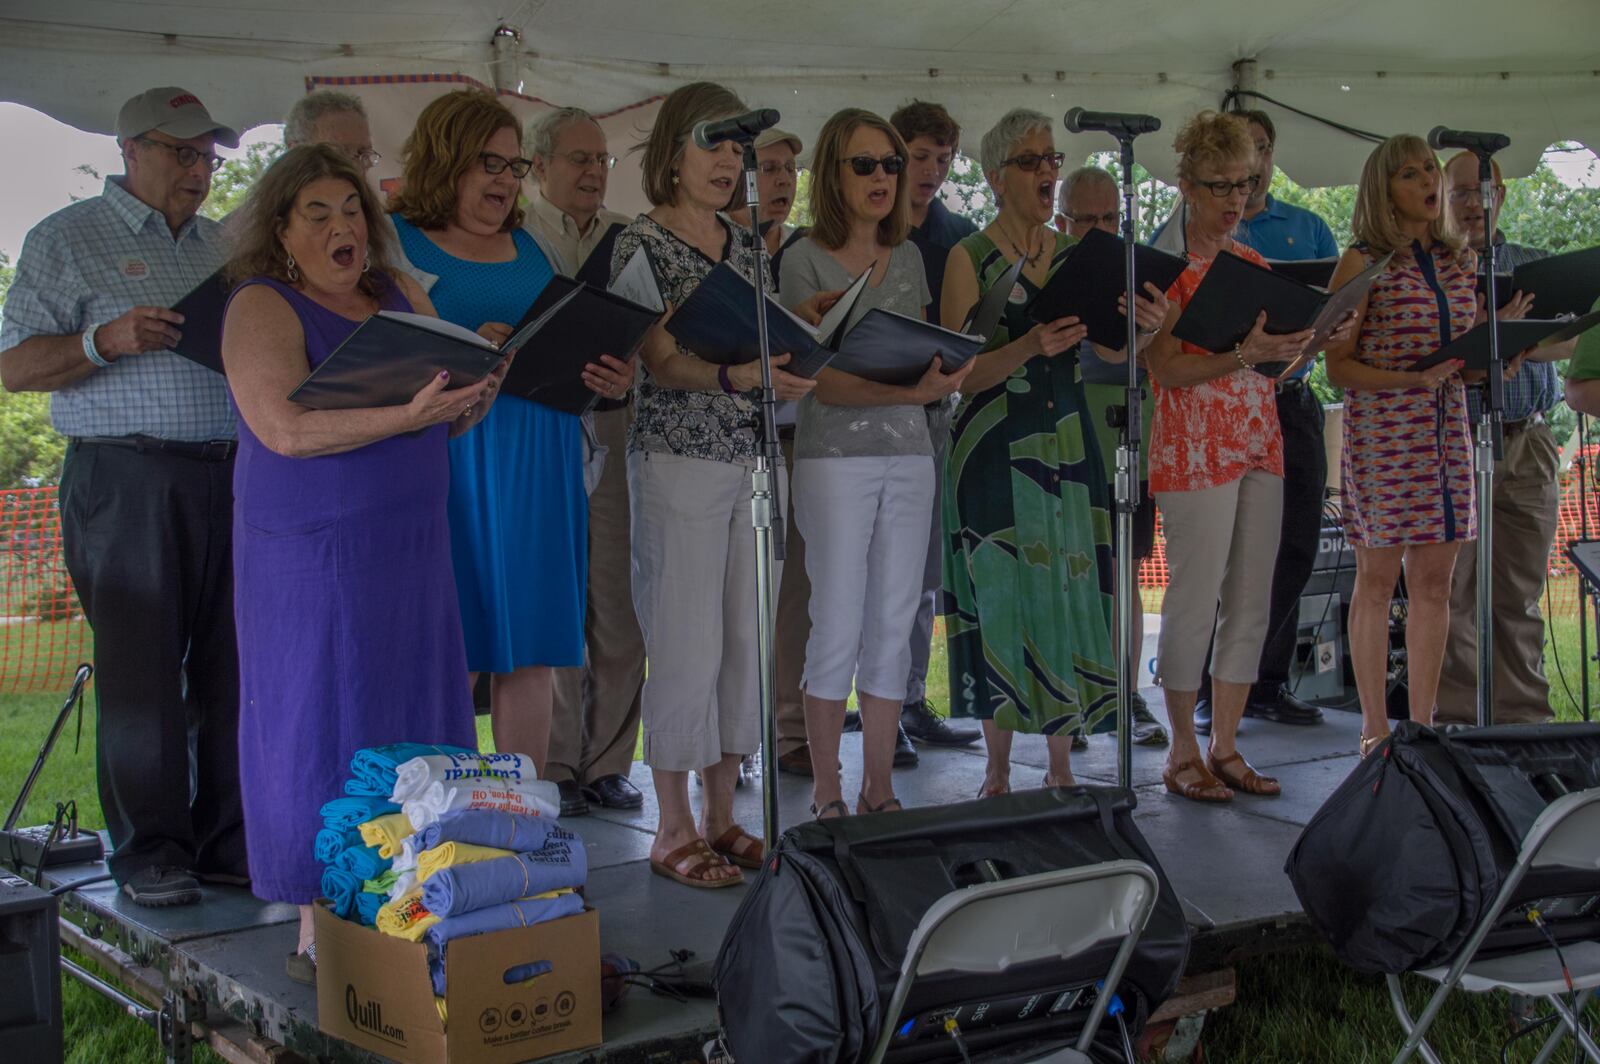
{"points": [[185, 128]]}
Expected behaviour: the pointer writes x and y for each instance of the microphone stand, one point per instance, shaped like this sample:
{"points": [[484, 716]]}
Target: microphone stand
{"points": [[1128, 420], [764, 505], [1490, 447]]}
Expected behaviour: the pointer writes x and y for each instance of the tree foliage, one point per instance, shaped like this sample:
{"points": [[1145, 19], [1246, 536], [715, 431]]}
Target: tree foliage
{"points": [[30, 449], [231, 183]]}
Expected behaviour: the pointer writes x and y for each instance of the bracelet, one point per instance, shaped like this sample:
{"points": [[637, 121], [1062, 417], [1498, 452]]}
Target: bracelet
{"points": [[1238, 353], [725, 381], [89, 350]]}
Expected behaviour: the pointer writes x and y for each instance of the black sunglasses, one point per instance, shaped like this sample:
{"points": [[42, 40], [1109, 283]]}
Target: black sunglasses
{"points": [[499, 164], [1030, 162], [864, 165]]}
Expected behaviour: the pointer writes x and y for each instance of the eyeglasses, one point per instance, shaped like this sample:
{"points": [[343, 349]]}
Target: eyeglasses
{"points": [[187, 156], [772, 166], [1263, 147], [1224, 189], [367, 158], [1096, 219], [498, 164], [1032, 161], [582, 159], [864, 165]]}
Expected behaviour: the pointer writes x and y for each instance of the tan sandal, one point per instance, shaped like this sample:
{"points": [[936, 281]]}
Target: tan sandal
{"points": [[728, 840], [689, 863], [1369, 743], [888, 805], [1206, 789], [1244, 778]]}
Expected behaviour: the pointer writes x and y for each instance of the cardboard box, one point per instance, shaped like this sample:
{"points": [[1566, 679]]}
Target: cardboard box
{"points": [[373, 991]]}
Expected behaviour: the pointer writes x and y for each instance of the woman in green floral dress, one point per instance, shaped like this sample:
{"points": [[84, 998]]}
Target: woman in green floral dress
{"points": [[1027, 567]]}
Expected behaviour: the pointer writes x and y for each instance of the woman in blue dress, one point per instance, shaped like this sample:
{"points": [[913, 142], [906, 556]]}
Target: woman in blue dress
{"points": [[518, 514]]}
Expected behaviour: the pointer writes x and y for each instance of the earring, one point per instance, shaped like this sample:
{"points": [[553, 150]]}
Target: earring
{"points": [[674, 178], [289, 268], [366, 261]]}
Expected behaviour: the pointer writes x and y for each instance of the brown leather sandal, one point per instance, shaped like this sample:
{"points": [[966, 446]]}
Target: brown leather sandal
{"points": [[747, 856], [1244, 778], [689, 863], [889, 804], [1206, 789]]}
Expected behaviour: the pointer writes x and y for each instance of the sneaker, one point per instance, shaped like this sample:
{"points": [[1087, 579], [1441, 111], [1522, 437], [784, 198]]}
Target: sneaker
{"points": [[160, 886], [1202, 717], [1080, 742], [919, 722], [1147, 731]]}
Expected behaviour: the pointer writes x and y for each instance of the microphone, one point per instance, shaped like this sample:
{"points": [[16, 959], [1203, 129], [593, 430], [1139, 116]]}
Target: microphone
{"points": [[1481, 143], [707, 135], [1080, 121]]}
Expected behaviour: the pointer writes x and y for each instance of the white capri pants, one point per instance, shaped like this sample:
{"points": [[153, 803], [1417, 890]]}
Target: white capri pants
{"points": [[865, 522], [1222, 545], [694, 589]]}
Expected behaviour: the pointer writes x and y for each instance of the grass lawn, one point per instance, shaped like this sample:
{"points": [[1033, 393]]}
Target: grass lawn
{"points": [[1292, 1007]]}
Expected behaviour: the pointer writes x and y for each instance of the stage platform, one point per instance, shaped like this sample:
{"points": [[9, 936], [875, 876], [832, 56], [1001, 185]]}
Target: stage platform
{"points": [[1225, 861]]}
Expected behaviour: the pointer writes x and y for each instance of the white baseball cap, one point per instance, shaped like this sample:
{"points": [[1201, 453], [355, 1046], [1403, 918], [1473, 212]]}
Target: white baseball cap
{"points": [[175, 112]]}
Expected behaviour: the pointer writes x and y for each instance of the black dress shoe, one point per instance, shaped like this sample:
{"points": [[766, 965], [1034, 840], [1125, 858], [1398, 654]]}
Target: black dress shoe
{"points": [[613, 792], [160, 887], [1202, 717], [573, 803], [1283, 708], [918, 721], [905, 755], [225, 879]]}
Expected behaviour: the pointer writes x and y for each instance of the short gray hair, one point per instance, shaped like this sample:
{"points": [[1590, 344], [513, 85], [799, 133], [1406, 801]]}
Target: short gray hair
{"points": [[1015, 124], [309, 109], [1092, 174], [543, 131]]}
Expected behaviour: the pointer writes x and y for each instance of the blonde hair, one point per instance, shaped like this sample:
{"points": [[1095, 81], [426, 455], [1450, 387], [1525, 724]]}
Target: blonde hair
{"points": [[1373, 222], [257, 251], [830, 217], [683, 109], [450, 134], [1213, 140]]}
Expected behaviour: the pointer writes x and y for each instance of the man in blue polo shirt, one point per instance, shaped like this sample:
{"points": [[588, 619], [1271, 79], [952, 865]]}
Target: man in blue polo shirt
{"points": [[1283, 231]]}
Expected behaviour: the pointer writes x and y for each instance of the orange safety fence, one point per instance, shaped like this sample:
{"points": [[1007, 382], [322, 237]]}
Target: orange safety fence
{"points": [[43, 635]]}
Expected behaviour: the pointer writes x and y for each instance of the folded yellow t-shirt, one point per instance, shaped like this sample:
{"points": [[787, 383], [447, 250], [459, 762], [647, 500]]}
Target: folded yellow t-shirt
{"points": [[405, 917], [450, 854], [386, 832]]}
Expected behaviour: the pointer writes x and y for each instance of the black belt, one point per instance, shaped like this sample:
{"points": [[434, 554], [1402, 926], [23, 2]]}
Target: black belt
{"points": [[199, 450], [1513, 428]]}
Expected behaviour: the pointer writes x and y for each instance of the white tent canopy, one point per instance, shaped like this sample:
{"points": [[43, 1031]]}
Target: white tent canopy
{"points": [[1532, 70]]}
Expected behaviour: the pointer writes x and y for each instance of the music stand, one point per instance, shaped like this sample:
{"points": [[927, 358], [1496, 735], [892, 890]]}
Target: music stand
{"points": [[1585, 557]]}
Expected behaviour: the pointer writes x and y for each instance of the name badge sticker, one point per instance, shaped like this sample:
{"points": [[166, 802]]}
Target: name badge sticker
{"points": [[135, 269]]}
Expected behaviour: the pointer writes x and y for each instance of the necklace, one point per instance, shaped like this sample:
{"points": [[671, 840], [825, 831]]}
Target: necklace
{"points": [[1030, 260]]}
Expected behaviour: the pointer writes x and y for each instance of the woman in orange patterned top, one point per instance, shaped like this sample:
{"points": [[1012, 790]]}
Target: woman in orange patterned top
{"points": [[1216, 471], [1406, 468]]}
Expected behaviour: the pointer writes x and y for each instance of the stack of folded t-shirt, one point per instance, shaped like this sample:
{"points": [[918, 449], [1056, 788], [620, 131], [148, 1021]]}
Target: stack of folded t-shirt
{"points": [[482, 870]]}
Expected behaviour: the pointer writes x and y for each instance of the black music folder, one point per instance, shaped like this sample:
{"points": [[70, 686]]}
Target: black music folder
{"points": [[1235, 290], [1316, 272], [571, 324], [1091, 280], [1517, 336], [1561, 284], [201, 332], [391, 356], [893, 348], [718, 323]]}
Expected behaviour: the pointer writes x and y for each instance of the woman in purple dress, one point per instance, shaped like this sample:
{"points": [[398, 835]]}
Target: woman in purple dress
{"points": [[349, 634]]}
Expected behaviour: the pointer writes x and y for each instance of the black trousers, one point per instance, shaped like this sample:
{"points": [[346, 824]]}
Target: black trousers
{"points": [[148, 541], [1305, 480]]}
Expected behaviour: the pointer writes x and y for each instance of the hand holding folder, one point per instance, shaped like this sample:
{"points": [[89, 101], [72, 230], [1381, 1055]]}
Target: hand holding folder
{"points": [[895, 349], [1235, 291], [1088, 285], [391, 356], [1472, 346]]}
